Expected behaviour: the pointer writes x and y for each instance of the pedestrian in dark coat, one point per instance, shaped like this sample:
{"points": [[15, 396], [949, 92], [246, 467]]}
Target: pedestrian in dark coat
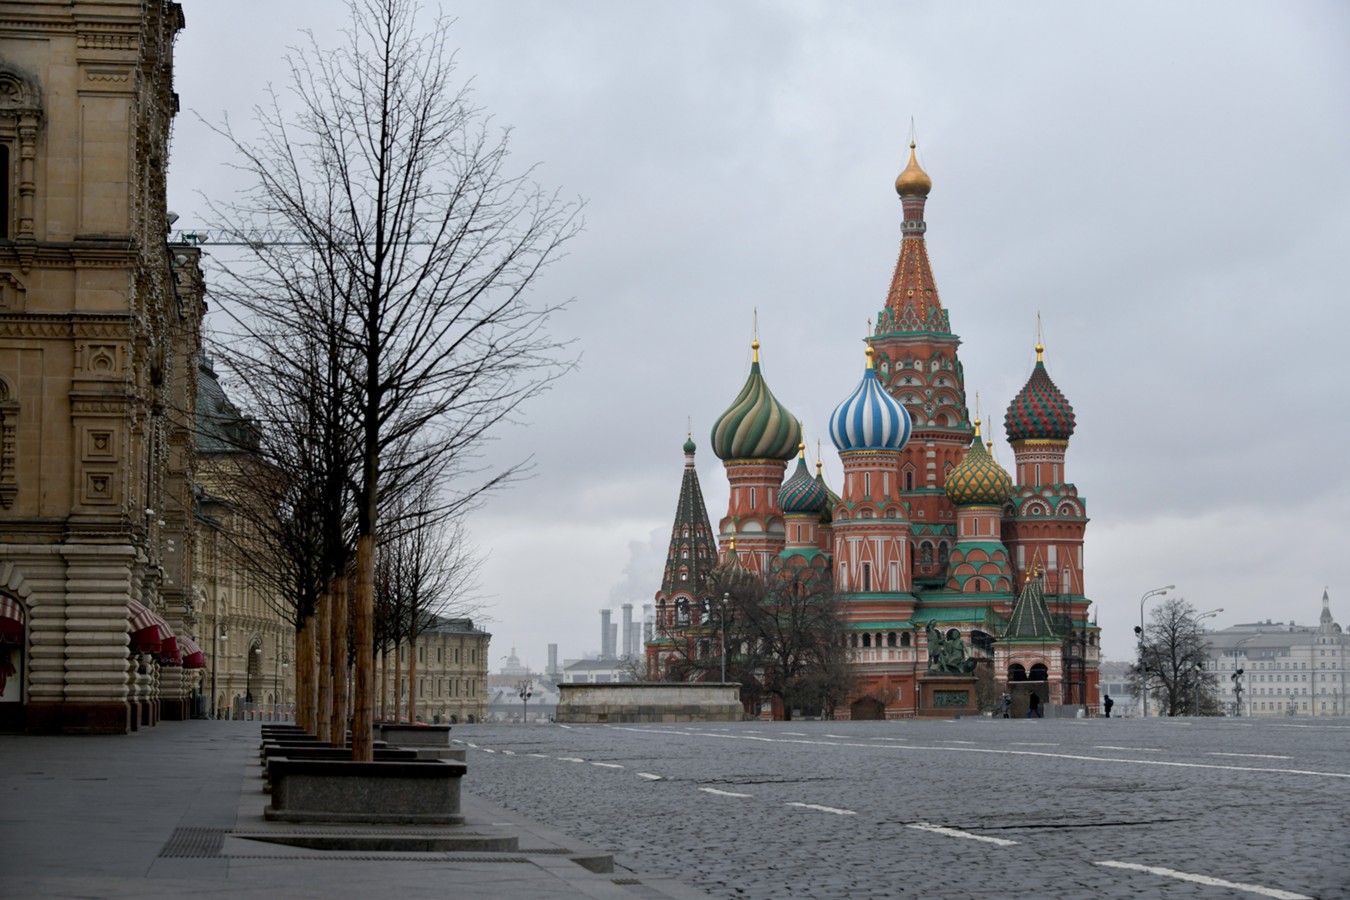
{"points": [[1034, 707], [1107, 703]]}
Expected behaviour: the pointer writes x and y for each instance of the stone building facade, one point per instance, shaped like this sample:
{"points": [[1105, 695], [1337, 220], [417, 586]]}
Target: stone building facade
{"points": [[451, 673], [99, 334], [1286, 669]]}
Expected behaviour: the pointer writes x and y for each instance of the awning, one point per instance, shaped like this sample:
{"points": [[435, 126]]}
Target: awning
{"points": [[193, 657], [148, 630], [169, 654], [11, 621]]}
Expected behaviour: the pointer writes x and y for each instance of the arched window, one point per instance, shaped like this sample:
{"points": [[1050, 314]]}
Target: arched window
{"points": [[682, 611], [890, 639], [1016, 672], [867, 640], [904, 639], [942, 553], [1039, 672], [926, 553]]}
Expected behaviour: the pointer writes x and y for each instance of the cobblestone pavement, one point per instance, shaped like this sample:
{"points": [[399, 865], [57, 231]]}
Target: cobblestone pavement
{"points": [[967, 808]]}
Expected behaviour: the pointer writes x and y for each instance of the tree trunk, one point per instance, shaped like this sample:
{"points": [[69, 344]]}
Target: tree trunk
{"points": [[340, 643], [363, 693], [304, 674], [412, 681], [324, 635], [384, 685]]}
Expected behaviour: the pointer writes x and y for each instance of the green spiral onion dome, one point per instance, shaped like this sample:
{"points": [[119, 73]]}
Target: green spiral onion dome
{"points": [[801, 493], [978, 480], [1040, 411], [756, 425]]}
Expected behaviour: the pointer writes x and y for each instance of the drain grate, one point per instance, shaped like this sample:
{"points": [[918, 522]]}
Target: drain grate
{"points": [[201, 843]]}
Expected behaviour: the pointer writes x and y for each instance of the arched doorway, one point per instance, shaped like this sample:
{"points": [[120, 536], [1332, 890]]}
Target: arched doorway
{"points": [[867, 709]]}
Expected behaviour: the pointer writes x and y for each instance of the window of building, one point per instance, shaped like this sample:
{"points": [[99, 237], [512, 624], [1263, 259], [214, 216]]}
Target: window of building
{"points": [[867, 576], [6, 193]]}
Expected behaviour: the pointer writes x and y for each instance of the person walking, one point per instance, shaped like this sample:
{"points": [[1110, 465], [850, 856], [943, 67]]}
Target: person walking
{"points": [[1007, 705], [1107, 703], [1034, 707]]}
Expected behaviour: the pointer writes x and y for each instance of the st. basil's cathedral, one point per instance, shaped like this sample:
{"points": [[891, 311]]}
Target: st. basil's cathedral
{"points": [[928, 540]]}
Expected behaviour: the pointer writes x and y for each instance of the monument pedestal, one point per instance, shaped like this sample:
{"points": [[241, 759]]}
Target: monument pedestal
{"points": [[947, 696]]}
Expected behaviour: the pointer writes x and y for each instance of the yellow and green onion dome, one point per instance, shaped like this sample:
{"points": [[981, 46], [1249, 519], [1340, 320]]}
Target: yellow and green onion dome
{"points": [[978, 480], [1040, 411], [802, 493], [870, 419], [756, 425]]}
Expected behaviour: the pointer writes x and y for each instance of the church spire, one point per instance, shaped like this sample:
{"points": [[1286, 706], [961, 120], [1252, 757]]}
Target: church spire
{"points": [[693, 549], [912, 303]]}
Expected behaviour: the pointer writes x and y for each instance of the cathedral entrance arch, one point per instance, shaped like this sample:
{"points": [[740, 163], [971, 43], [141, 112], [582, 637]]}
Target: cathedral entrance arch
{"points": [[867, 709]]}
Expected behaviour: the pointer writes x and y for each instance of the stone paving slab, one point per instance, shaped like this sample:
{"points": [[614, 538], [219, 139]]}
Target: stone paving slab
{"points": [[160, 814]]}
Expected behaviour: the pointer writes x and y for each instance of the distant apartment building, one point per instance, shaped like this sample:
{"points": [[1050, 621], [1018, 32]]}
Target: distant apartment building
{"points": [[1286, 669]]}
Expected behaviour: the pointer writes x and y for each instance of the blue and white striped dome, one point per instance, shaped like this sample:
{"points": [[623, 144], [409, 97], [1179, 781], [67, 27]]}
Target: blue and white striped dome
{"points": [[870, 419]]}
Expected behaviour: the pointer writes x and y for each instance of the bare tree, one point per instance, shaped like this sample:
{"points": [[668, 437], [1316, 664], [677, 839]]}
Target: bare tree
{"points": [[1174, 656], [426, 570], [782, 633], [413, 235]]}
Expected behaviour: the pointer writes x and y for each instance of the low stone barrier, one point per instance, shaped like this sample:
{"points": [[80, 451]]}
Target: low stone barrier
{"points": [[421, 792], [656, 702], [415, 735]]}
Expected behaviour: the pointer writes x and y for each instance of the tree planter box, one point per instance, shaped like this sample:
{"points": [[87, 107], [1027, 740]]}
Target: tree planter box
{"points": [[415, 735], [420, 792]]}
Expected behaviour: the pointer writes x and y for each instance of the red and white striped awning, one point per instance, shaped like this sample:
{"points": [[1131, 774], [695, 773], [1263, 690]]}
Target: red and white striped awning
{"points": [[149, 631], [193, 657], [11, 621]]}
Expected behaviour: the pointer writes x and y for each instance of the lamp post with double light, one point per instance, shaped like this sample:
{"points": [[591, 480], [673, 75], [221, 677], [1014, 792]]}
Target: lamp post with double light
{"points": [[221, 636], [1237, 677], [1143, 670], [725, 597]]}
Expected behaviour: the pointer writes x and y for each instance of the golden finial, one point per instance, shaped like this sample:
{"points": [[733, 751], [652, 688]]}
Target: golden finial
{"points": [[819, 464], [732, 546], [801, 451], [869, 353], [914, 181], [977, 429], [754, 342], [1040, 346]]}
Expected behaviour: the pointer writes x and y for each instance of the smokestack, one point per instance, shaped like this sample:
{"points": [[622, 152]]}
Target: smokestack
{"points": [[648, 621], [627, 630], [606, 649], [553, 659], [613, 641]]}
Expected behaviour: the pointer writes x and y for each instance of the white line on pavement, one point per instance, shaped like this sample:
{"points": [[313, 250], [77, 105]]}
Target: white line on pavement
{"points": [[1205, 879], [1033, 743], [954, 741], [607, 765], [649, 776], [795, 733], [723, 793], [956, 832], [508, 753], [915, 748], [1139, 749], [828, 809], [1252, 755], [486, 750], [571, 759], [538, 755]]}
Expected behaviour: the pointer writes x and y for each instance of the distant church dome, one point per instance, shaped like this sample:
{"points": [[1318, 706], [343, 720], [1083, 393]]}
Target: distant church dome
{"points": [[802, 493], [978, 480], [1040, 411], [914, 181], [756, 425], [870, 419]]}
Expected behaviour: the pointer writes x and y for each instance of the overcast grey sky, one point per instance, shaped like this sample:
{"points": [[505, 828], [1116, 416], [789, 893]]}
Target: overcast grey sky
{"points": [[1166, 183]]}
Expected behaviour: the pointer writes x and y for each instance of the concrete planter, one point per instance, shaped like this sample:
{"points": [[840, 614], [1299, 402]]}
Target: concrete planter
{"points": [[415, 735], [701, 702], [422, 792]]}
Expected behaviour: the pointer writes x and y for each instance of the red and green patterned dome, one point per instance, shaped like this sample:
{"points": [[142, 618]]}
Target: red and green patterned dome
{"points": [[978, 480], [756, 425], [1040, 411]]}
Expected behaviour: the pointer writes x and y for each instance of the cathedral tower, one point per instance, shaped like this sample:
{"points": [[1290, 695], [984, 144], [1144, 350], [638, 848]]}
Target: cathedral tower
{"points": [[917, 362], [754, 438]]}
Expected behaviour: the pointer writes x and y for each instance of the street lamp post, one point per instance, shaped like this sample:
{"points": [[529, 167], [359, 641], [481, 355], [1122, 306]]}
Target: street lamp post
{"points": [[1237, 676], [525, 694], [1143, 673], [221, 635], [248, 678], [725, 597], [286, 666]]}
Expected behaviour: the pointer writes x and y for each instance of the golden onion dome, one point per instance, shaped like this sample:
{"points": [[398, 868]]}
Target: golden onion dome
{"points": [[914, 181]]}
